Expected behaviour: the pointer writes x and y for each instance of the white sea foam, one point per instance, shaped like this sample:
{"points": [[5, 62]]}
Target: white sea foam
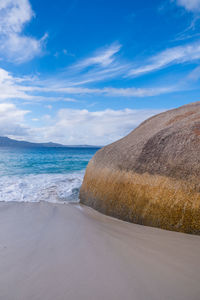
{"points": [[42, 187]]}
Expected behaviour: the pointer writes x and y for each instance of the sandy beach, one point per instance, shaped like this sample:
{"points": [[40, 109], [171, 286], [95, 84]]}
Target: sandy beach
{"points": [[57, 251]]}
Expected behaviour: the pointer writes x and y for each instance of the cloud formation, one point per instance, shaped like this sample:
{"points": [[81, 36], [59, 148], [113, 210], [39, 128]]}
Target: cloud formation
{"points": [[34, 90], [14, 46], [102, 57], [109, 91], [190, 5], [103, 64], [11, 87], [172, 56], [12, 121], [80, 126], [74, 126]]}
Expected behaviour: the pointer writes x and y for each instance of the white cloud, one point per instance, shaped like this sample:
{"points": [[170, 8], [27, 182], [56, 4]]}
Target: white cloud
{"points": [[24, 89], [12, 121], [60, 88], [138, 92], [190, 5], [103, 64], [14, 14], [109, 91], [102, 57], [194, 74], [10, 87], [14, 46], [176, 55], [72, 126]]}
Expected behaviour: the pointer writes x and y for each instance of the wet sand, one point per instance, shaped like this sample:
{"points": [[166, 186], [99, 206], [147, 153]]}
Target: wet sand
{"points": [[68, 252]]}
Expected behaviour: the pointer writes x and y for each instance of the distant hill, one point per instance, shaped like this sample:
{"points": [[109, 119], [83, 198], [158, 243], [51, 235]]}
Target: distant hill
{"points": [[7, 142]]}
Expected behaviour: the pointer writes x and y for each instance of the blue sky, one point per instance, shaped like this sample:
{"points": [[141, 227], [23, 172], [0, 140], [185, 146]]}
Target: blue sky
{"points": [[88, 72]]}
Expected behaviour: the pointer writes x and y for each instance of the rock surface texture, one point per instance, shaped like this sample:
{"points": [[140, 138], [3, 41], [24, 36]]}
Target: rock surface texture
{"points": [[151, 176]]}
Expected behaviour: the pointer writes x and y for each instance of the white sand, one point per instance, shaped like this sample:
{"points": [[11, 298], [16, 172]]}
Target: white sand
{"points": [[62, 252]]}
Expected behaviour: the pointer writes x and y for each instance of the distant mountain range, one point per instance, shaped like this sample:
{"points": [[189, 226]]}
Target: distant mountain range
{"points": [[7, 142]]}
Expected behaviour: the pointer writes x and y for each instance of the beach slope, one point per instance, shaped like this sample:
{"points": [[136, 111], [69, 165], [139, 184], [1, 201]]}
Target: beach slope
{"points": [[57, 251]]}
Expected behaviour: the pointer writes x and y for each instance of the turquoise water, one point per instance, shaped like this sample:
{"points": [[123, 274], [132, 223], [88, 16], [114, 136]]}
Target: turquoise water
{"points": [[42, 174]]}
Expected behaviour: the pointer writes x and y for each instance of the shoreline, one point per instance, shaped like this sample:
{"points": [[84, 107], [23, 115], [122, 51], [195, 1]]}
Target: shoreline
{"points": [[50, 251]]}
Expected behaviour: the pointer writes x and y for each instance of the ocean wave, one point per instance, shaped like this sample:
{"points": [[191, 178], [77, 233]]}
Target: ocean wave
{"points": [[42, 187]]}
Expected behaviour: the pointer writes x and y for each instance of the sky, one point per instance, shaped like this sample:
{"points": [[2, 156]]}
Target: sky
{"points": [[88, 72]]}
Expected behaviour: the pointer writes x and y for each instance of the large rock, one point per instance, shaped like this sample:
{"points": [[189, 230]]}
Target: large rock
{"points": [[151, 176]]}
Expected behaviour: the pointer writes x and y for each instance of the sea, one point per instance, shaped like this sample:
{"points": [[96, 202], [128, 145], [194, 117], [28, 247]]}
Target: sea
{"points": [[43, 174]]}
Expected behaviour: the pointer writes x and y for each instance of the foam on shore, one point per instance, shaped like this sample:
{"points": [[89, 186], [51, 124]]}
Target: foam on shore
{"points": [[41, 187]]}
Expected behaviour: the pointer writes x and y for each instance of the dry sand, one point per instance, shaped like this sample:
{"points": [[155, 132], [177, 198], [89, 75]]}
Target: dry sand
{"points": [[67, 252]]}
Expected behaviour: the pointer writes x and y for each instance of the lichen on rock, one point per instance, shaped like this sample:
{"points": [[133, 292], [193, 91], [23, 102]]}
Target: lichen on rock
{"points": [[151, 176]]}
